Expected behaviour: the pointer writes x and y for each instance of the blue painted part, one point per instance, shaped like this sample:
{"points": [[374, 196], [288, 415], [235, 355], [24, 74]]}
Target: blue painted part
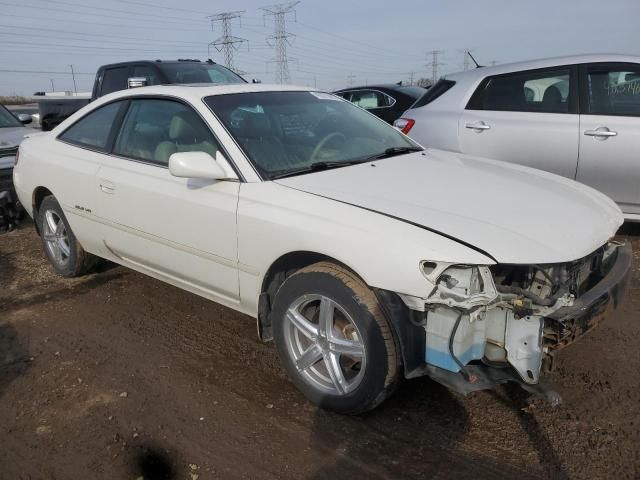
{"points": [[446, 361]]}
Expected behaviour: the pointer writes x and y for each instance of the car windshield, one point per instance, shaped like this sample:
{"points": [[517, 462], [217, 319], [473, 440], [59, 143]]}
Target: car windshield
{"points": [[286, 133], [7, 119], [184, 72]]}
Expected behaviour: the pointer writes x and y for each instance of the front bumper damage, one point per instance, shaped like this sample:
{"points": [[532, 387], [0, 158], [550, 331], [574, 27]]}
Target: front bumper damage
{"points": [[536, 337]]}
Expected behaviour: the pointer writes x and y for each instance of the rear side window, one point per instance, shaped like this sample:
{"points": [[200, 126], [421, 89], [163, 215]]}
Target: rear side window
{"points": [[613, 91], [440, 88], [114, 79], [92, 131], [369, 99], [532, 91]]}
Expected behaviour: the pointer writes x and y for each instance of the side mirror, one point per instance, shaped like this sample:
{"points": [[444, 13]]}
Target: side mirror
{"points": [[135, 82], [200, 165], [24, 118]]}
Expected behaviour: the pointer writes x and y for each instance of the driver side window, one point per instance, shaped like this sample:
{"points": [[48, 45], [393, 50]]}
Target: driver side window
{"points": [[154, 129]]}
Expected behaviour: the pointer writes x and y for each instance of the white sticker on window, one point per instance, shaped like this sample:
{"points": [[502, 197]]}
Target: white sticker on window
{"points": [[325, 96]]}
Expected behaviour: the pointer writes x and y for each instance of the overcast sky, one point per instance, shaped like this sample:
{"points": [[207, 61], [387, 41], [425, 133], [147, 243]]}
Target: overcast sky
{"points": [[373, 40]]}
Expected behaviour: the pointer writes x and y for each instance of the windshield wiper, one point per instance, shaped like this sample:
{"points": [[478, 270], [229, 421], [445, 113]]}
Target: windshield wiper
{"points": [[393, 151], [315, 167], [320, 166]]}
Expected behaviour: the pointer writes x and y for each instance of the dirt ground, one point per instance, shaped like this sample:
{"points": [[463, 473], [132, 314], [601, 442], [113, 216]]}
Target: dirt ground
{"points": [[119, 376]]}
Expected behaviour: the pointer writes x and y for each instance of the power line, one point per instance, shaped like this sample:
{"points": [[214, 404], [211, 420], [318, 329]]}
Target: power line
{"points": [[227, 43], [117, 10], [114, 49], [73, 12], [140, 41], [85, 22], [348, 52], [346, 39], [43, 71], [280, 37], [179, 9]]}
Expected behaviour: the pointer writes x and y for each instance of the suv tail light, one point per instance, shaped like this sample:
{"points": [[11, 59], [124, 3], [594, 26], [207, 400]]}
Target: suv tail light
{"points": [[404, 124]]}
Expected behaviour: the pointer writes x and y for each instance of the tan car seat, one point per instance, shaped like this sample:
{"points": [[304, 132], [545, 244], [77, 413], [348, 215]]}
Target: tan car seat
{"points": [[187, 133]]}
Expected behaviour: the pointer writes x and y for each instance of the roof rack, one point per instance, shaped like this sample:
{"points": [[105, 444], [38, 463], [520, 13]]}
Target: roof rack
{"points": [[188, 60]]}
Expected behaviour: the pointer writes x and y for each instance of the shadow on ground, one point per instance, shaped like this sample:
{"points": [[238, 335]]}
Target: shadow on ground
{"points": [[151, 461], [417, 433], [517, 400], [14, 356], [414, 434]]}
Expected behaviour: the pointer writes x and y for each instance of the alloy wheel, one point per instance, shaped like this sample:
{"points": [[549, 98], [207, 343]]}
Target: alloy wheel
{"points": [[56, 238], [324, 344]]}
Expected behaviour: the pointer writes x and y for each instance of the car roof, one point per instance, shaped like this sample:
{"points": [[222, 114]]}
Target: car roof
{"points": [[200, 90], [390, 86], [158, 62], [543, 63]]}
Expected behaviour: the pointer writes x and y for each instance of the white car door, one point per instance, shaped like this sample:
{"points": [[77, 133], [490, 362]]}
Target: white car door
{"points": [[610, 132], [526, 117], [181, 230], [77, 154]]}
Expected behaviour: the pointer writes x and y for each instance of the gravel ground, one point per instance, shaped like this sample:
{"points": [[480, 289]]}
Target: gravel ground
{"points": [[119, 376]]}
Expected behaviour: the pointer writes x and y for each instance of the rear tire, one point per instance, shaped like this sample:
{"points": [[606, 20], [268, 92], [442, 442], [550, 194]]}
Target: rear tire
{"points": [[350, 365], [60, 245]]}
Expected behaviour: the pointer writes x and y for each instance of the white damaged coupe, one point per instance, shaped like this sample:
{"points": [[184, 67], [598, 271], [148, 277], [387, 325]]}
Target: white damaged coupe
{"points": [[367, 258]]}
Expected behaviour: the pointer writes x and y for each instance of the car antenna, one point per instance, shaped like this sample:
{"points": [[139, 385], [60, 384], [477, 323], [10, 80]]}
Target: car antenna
{"points": [[474, 60]]}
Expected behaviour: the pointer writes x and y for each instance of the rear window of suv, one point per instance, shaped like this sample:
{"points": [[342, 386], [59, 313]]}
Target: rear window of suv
{"points": [[440, 88]]}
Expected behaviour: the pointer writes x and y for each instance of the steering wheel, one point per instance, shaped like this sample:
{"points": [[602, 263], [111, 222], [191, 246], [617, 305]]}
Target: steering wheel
{"points": [[323, 142]]}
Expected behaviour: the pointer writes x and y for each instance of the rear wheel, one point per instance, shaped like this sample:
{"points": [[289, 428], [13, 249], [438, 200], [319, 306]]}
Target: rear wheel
{"points": [[334, 340], [63, 250]]}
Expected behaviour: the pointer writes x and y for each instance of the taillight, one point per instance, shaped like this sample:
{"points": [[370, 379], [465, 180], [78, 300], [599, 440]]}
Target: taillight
{"points": [[404, 124]]}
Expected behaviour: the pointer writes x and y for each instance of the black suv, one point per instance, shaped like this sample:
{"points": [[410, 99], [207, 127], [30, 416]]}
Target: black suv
{"points": [[120, 76], [114, 77]]}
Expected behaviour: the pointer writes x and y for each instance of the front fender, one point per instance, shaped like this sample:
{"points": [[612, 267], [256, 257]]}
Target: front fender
{"points": [[385, 252]]}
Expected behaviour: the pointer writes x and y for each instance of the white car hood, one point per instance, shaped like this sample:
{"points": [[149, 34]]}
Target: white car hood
{"points": [[513, 214]]}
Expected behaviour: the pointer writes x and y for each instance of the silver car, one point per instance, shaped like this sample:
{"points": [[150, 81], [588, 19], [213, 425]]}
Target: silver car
{"points": [[12, 131], [575, 116]]}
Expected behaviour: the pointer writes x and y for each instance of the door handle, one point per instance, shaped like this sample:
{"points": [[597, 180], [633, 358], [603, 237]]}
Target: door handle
{"points": [[602, 132], [477, 126], [107, 187]]}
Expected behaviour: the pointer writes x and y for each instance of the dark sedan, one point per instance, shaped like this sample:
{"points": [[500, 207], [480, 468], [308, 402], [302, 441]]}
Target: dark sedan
{"points": [[387, 101]]}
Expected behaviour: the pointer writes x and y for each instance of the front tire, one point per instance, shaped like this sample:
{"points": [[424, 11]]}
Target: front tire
{"points": [[63, 250], [334, 340]]}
